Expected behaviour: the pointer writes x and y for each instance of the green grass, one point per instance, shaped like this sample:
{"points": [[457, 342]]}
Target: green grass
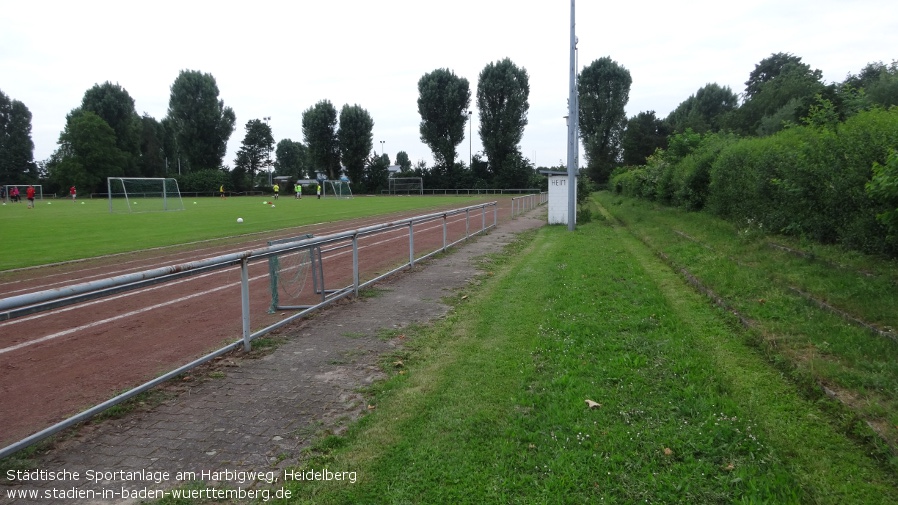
{"points": [[58, 230], [815, 347], [490, 404]]}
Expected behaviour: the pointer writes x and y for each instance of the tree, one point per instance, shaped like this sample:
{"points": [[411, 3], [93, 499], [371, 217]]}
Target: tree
{"points": [[442, 97], [375, 173], [780, 90], [879, 83], [604, 90], [202, 124], [502, 98], [87, 153], [705, 111], [253, 153], [402, 159], [772, 67], [16, 146], [152, 148], [644, 135], [356, 140], [115, 106], [784, 98], [319, 129], [291, 158]]}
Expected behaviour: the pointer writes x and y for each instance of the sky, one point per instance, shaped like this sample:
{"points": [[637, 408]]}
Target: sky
{"points": [[279, 58]]}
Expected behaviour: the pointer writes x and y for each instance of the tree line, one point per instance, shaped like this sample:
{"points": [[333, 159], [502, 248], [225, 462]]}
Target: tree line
{"points": [[105, 136], [796, 156]]}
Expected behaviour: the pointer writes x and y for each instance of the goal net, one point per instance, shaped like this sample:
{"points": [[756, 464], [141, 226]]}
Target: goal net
{"points": [[287, 274], [143, 194], [8, 195], [338, 189], [406, 186]]}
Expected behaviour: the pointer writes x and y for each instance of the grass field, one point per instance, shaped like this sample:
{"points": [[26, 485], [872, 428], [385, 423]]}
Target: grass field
{"points": [[690, 406], [59, 230]]}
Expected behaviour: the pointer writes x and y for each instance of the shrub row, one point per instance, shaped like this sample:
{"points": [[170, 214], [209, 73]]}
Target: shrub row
{"points": [[813, 182]]}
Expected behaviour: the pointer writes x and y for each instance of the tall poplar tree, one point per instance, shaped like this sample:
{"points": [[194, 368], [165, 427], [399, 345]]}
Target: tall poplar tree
{"points": [[442, 99], [202, 124], [604, 90], [113, 104], [16, 147], [319, 130], [503, 90], [356, 139]]}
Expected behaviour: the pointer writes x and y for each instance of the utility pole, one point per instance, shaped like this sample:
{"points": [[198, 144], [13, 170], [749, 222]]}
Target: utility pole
{"points": [[470, 138], [268, 161], [573, 143]]}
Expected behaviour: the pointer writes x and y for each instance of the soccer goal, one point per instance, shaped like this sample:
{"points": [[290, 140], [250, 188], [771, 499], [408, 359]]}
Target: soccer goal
{"points": [[143, 194], [406, 186], [338, 189], [288, 273], [8, 192]]}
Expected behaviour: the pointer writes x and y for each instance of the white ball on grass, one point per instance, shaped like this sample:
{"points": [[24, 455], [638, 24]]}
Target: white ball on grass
{"points": [[239, 219]]}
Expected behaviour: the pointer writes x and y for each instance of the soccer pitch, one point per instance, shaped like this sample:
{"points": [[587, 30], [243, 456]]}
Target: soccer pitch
{"points": [[60, 230]]}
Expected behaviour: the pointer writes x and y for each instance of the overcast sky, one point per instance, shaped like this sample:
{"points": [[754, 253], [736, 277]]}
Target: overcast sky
{"points": [[278, 58]]}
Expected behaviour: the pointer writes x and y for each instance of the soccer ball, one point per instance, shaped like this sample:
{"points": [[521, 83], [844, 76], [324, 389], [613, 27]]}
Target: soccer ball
{"points": [[49, 203], [194, 203], [239, 219], [272, 206], [82, 203]]}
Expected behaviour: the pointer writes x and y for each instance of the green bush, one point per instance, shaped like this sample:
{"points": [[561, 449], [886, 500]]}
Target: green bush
{"points": [[691, 177], [809, 181], [204, 181], [883, 189]]}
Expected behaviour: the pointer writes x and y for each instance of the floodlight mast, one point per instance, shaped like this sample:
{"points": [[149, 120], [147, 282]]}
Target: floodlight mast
{"points": [[572, 131]]}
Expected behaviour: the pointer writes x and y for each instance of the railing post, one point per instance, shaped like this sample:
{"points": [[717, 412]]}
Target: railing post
{"points": [[244, 298], [483, 218], [467, 223], [444, 232], [411, 244], [355, 263]]}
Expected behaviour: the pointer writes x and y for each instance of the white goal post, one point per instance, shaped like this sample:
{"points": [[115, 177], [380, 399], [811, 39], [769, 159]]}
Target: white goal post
{"points": [[143, 194], [406, 186], [7, 198], [338, 189]]}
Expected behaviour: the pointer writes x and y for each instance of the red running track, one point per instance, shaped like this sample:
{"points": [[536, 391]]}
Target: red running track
{"points": [[58, 363]]}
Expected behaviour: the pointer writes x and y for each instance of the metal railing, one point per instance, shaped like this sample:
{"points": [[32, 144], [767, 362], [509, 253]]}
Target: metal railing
{"points": [[522, 204], [22, 305]]}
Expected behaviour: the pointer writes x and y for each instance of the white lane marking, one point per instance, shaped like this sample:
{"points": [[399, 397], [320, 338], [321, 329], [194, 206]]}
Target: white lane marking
{"points": [[145, 309]]}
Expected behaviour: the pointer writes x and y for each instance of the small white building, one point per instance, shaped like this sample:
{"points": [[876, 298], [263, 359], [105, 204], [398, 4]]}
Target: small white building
{"points": [[558, 196]]}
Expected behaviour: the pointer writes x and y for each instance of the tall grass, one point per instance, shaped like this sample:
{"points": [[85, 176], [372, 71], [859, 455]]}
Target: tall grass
{"points": [[781, 285]]}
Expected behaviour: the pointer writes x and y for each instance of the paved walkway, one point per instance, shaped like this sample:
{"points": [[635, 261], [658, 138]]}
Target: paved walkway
{"points": [[255, 415]]}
